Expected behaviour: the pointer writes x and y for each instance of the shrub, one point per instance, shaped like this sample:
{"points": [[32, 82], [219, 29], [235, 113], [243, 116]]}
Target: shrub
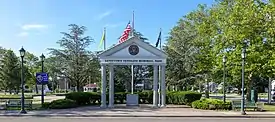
{"points": [[94, 97], [145, 97], [62, 104], [120, 97], [83, 98], [46, 105], [211, 104], [183, 97]]}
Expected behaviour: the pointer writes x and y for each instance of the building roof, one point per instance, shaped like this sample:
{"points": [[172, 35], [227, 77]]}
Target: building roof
{"points": [[131, 40], [91, 85]]}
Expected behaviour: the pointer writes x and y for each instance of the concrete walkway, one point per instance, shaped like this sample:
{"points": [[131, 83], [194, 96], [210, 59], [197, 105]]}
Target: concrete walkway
{"points": [[143, 111]]}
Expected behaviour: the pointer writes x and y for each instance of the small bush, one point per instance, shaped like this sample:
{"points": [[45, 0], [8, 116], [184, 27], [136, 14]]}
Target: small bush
{"points": [[145, 97], [183, 97], [83, 98], [46, 105], [62, 104], [120, 97], [211, 104]]}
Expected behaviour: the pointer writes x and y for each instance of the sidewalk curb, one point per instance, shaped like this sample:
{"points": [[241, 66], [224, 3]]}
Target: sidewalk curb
{"points": [[148, 116]]}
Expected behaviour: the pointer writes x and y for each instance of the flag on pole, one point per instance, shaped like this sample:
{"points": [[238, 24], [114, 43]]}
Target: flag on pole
{"points": [[125, 34], [159, 39], [102, 41]]}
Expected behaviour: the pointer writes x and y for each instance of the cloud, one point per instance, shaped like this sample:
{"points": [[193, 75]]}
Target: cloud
{"points": [[34, 26], [103, 15], [28, 29], [23, 34]]}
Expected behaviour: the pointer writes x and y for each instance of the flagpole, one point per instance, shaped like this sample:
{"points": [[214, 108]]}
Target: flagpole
{"points": [[160, 39], [132, 66], [104, 41], [133, 21], [159, 71]]}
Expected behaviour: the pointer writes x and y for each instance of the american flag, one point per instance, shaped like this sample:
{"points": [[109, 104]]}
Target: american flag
{"points": [[125, 34]]}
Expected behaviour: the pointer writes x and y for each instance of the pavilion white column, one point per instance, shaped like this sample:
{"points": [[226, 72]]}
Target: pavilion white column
{"points": [[155, 86], [163, 87], [111, 87], [103, 86]]}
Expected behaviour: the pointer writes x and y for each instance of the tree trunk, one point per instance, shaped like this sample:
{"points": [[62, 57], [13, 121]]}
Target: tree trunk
{"points": [[78, 86], [5, 91], [36, 89], [10, 91], [207, 89]]}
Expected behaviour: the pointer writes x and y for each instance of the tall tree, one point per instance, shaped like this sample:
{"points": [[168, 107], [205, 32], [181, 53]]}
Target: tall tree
{"points": [[33, 64], [9, 73], [74, 55]]}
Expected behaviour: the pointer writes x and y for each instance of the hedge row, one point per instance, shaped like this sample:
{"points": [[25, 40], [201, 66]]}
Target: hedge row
{"points": [[60, 104], [211, 104], [180, 98], [184, 97], [146, 97]]}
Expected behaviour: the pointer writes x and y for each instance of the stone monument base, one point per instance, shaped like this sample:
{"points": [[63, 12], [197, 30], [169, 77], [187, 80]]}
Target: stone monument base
{"points": [[132, 100]]}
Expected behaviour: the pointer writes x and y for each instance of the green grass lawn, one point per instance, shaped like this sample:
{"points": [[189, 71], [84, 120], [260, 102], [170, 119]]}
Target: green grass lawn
{"points": [[270, 107], [34, 107], [262, 95]]}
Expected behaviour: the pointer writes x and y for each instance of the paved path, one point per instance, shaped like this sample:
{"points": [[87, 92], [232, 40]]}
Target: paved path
{"points": [[143, 111], [44, 119], [47, 98]]}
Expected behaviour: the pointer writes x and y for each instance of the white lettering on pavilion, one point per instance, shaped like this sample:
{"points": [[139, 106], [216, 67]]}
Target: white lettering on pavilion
{"points": [[131, 61]]}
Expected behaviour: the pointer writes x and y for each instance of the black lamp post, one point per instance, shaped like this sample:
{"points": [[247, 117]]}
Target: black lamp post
{"points": [[224, 62], [22, 54], [42, 70], [243, 63]]}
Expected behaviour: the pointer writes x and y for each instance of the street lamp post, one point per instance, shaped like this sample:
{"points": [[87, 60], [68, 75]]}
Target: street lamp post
{"points": [[42, 70], [224, 62], [22, 54], [243, 63]]}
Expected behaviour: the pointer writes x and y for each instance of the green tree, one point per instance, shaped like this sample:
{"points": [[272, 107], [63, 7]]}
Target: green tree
{"points": [[240, 21], [9, 73], [33, 65], [74, 55]]}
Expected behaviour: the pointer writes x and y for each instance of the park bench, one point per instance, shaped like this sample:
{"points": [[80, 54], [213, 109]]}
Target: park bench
{"points": [[16, 103], [247, 104]]}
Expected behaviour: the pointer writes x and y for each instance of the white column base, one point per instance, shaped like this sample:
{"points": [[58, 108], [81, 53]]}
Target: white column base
{"points": [[111, 106], [155, 106], [103, 106]]}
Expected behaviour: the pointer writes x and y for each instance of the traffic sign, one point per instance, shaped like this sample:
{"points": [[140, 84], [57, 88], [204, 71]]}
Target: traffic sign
{"points": [[42, 78]]}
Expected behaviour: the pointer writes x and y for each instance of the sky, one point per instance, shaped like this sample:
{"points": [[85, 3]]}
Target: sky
{"points": [[36, 24]]}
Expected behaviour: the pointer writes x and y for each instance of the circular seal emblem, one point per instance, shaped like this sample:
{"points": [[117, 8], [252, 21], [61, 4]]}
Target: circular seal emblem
{"points": [[133, 50], [39, 78]]}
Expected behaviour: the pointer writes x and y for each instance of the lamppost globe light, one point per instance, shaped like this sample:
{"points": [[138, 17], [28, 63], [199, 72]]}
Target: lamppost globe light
{"points": [[42, 70], [22, 52], [243, 79], [224, 78], [42, 57]]}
